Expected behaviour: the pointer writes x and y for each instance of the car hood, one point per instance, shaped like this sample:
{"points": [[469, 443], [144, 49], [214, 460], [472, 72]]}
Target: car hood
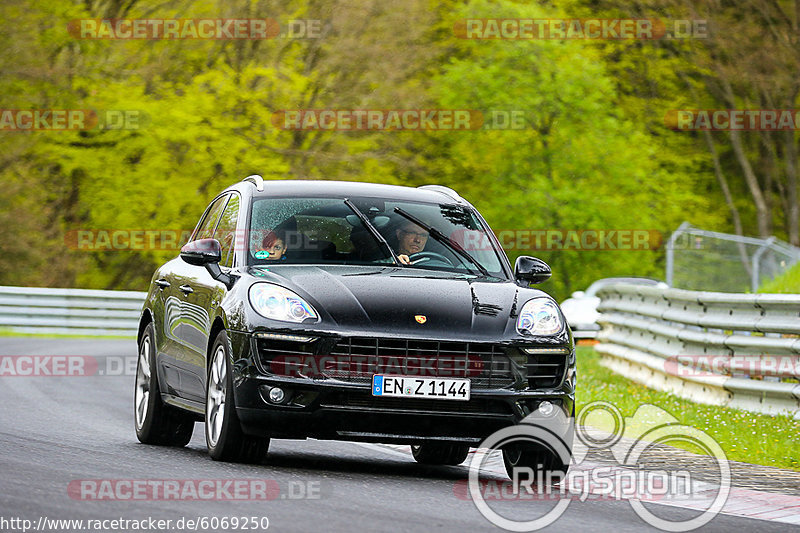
{"points": [[403, 301]]}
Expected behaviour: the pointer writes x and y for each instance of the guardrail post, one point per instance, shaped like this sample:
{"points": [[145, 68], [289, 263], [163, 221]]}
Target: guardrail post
{"points": [[671, 250], [754, 281]]}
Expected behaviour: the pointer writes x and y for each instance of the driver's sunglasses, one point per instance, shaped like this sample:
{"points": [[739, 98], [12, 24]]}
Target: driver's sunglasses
{"points": [[420, 235]]}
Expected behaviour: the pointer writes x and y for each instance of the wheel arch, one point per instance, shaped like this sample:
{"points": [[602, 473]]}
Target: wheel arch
{"points": [[146, 318], [216, 326]]}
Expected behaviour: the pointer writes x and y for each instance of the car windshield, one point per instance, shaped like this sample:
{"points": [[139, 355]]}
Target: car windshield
{"points": [[328, 231]]}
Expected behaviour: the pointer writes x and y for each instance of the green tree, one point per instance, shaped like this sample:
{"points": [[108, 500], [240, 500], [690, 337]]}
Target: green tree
{"points": [[581, 161]]}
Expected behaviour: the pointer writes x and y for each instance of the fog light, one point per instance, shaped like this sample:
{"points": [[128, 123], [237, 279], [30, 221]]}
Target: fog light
{"points": [[546, 408], [276, 395]]}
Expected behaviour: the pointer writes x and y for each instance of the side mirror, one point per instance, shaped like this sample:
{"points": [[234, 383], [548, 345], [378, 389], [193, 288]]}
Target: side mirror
{"points": [[207, 253], [202, 252], [531, 269], [578, 294]]}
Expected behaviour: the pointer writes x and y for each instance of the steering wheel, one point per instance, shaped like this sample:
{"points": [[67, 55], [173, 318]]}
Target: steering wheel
{"points": [[429, 255]]}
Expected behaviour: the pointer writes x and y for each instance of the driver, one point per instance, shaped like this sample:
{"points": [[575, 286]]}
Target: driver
{"points": [[411, 239]]}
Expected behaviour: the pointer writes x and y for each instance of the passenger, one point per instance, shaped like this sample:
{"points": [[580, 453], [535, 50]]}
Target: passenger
{"points": [[273, 247]]}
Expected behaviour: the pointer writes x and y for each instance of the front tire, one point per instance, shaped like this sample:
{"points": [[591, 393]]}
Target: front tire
{"points": [[541, 461], [156, 423], [439, 453], [224, 437]]}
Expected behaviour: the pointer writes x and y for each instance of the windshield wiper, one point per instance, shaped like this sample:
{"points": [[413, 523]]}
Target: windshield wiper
{"points": [[442, 238], [375, 233]]}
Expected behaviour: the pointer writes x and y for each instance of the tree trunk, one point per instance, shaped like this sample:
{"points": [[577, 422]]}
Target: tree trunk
{"points": [[793, 209], [762, 211], [726, 192]]}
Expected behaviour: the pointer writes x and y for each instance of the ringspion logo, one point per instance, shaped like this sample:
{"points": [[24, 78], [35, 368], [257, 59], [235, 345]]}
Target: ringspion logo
{"points": [[627, 479], [604, 483]]}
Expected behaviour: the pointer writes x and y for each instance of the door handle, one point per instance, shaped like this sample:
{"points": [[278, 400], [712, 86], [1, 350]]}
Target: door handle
{"points": [[162, 283], [186, 289]]}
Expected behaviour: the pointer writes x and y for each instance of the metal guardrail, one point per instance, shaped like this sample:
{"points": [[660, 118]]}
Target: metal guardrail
{"points": [[70, 311], [738, 350]]}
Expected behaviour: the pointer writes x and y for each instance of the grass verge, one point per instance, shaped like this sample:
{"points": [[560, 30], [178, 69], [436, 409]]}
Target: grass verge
{"points": [[744, 436], [788, 283]]}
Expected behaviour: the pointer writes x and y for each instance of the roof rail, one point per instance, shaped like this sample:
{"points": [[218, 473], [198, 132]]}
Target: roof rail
{"points": [[256, 180], [444, 190]]}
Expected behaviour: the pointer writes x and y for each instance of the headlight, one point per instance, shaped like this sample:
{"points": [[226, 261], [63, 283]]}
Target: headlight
{"points": [[278, 303], [540, 316]]}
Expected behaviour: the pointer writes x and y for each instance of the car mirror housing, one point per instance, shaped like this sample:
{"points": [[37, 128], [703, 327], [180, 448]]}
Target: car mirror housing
{"points": [[207, 253], [202, 252], [531, 269], [578, 294]]}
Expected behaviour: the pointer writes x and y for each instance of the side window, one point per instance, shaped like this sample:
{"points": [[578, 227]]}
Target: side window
{"points": [[206, 228], [226, 230]]}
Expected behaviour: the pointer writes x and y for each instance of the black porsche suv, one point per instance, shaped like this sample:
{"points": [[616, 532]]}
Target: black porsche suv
{"points": [[350, 311]]}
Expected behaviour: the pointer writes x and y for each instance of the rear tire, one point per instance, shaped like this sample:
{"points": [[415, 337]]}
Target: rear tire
{"points": [[156, 422], [224, 437], [440, 453]]}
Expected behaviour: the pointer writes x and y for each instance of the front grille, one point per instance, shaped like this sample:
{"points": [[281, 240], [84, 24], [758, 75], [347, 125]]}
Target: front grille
{"points": [[358, 358], [546, 370], [474, 406]]}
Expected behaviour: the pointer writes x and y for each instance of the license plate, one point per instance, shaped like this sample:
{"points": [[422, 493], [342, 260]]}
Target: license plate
{"points": [[412, 387]]}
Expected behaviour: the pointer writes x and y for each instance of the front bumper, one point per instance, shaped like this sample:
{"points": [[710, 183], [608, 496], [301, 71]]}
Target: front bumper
{"points": [[342, 412], [331, 409]]}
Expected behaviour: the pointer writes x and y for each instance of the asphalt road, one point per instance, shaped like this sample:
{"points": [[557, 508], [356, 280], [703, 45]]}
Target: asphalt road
{"points": [[56, 431]]}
